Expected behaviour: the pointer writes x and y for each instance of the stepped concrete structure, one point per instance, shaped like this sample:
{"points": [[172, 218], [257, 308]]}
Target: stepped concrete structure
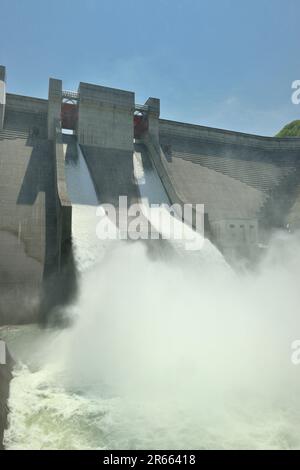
{"points": [[249, 185]]}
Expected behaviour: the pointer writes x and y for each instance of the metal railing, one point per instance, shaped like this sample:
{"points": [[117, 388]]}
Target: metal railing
{"points": [[71, 95], [141, 107]]}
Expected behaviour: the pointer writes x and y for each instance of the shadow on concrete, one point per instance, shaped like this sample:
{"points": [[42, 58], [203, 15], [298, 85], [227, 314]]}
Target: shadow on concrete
{"points": [[40, 178], [59, 277], [59, 290], [280, 200], [112, 174]]}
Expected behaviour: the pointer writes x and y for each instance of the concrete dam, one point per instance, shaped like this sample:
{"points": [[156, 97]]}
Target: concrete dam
{"points": [[249, 185]]}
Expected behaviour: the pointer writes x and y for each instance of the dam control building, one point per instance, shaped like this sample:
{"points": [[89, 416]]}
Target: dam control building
{"points": [[249, 185]]}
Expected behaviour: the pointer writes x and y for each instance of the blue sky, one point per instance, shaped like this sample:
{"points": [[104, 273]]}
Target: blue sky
{"points": [[221, 63]]}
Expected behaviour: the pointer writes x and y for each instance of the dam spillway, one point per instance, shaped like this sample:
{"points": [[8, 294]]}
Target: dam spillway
{"points": [[249, 185], [139, 366]]}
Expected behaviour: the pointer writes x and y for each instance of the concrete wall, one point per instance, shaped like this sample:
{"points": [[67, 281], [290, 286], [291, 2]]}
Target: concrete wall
{"points": [[210, 134], [256, 164], [2, 94], [236, 236], [28, 104], [248, 184], [64, 206], [159, 159], [35, 222], [105, 117], [27, 220], [112, 174], [293, 216], [153, 118], [54, 106]]}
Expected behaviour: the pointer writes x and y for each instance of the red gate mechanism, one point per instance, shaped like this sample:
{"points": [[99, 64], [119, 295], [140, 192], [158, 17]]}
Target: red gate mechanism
{"points": [[140, 124], [69, 116]]}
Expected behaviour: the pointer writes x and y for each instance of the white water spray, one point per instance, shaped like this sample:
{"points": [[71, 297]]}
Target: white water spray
{"points": [[167, 355]]}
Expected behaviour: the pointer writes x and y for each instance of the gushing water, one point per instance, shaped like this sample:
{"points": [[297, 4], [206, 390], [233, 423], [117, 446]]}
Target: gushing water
{"points": [[164, 355]]}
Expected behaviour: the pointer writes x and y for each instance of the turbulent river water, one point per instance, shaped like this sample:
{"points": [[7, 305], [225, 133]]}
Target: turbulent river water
{"points": [[180, 354]]}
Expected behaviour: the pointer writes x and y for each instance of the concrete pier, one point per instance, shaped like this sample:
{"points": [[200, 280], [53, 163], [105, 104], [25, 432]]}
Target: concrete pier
{"points": [[105, 117], [54, 105], [2, 95]]}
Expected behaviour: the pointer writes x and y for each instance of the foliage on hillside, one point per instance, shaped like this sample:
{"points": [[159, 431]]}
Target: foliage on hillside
{"points": [[290, 130]]}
